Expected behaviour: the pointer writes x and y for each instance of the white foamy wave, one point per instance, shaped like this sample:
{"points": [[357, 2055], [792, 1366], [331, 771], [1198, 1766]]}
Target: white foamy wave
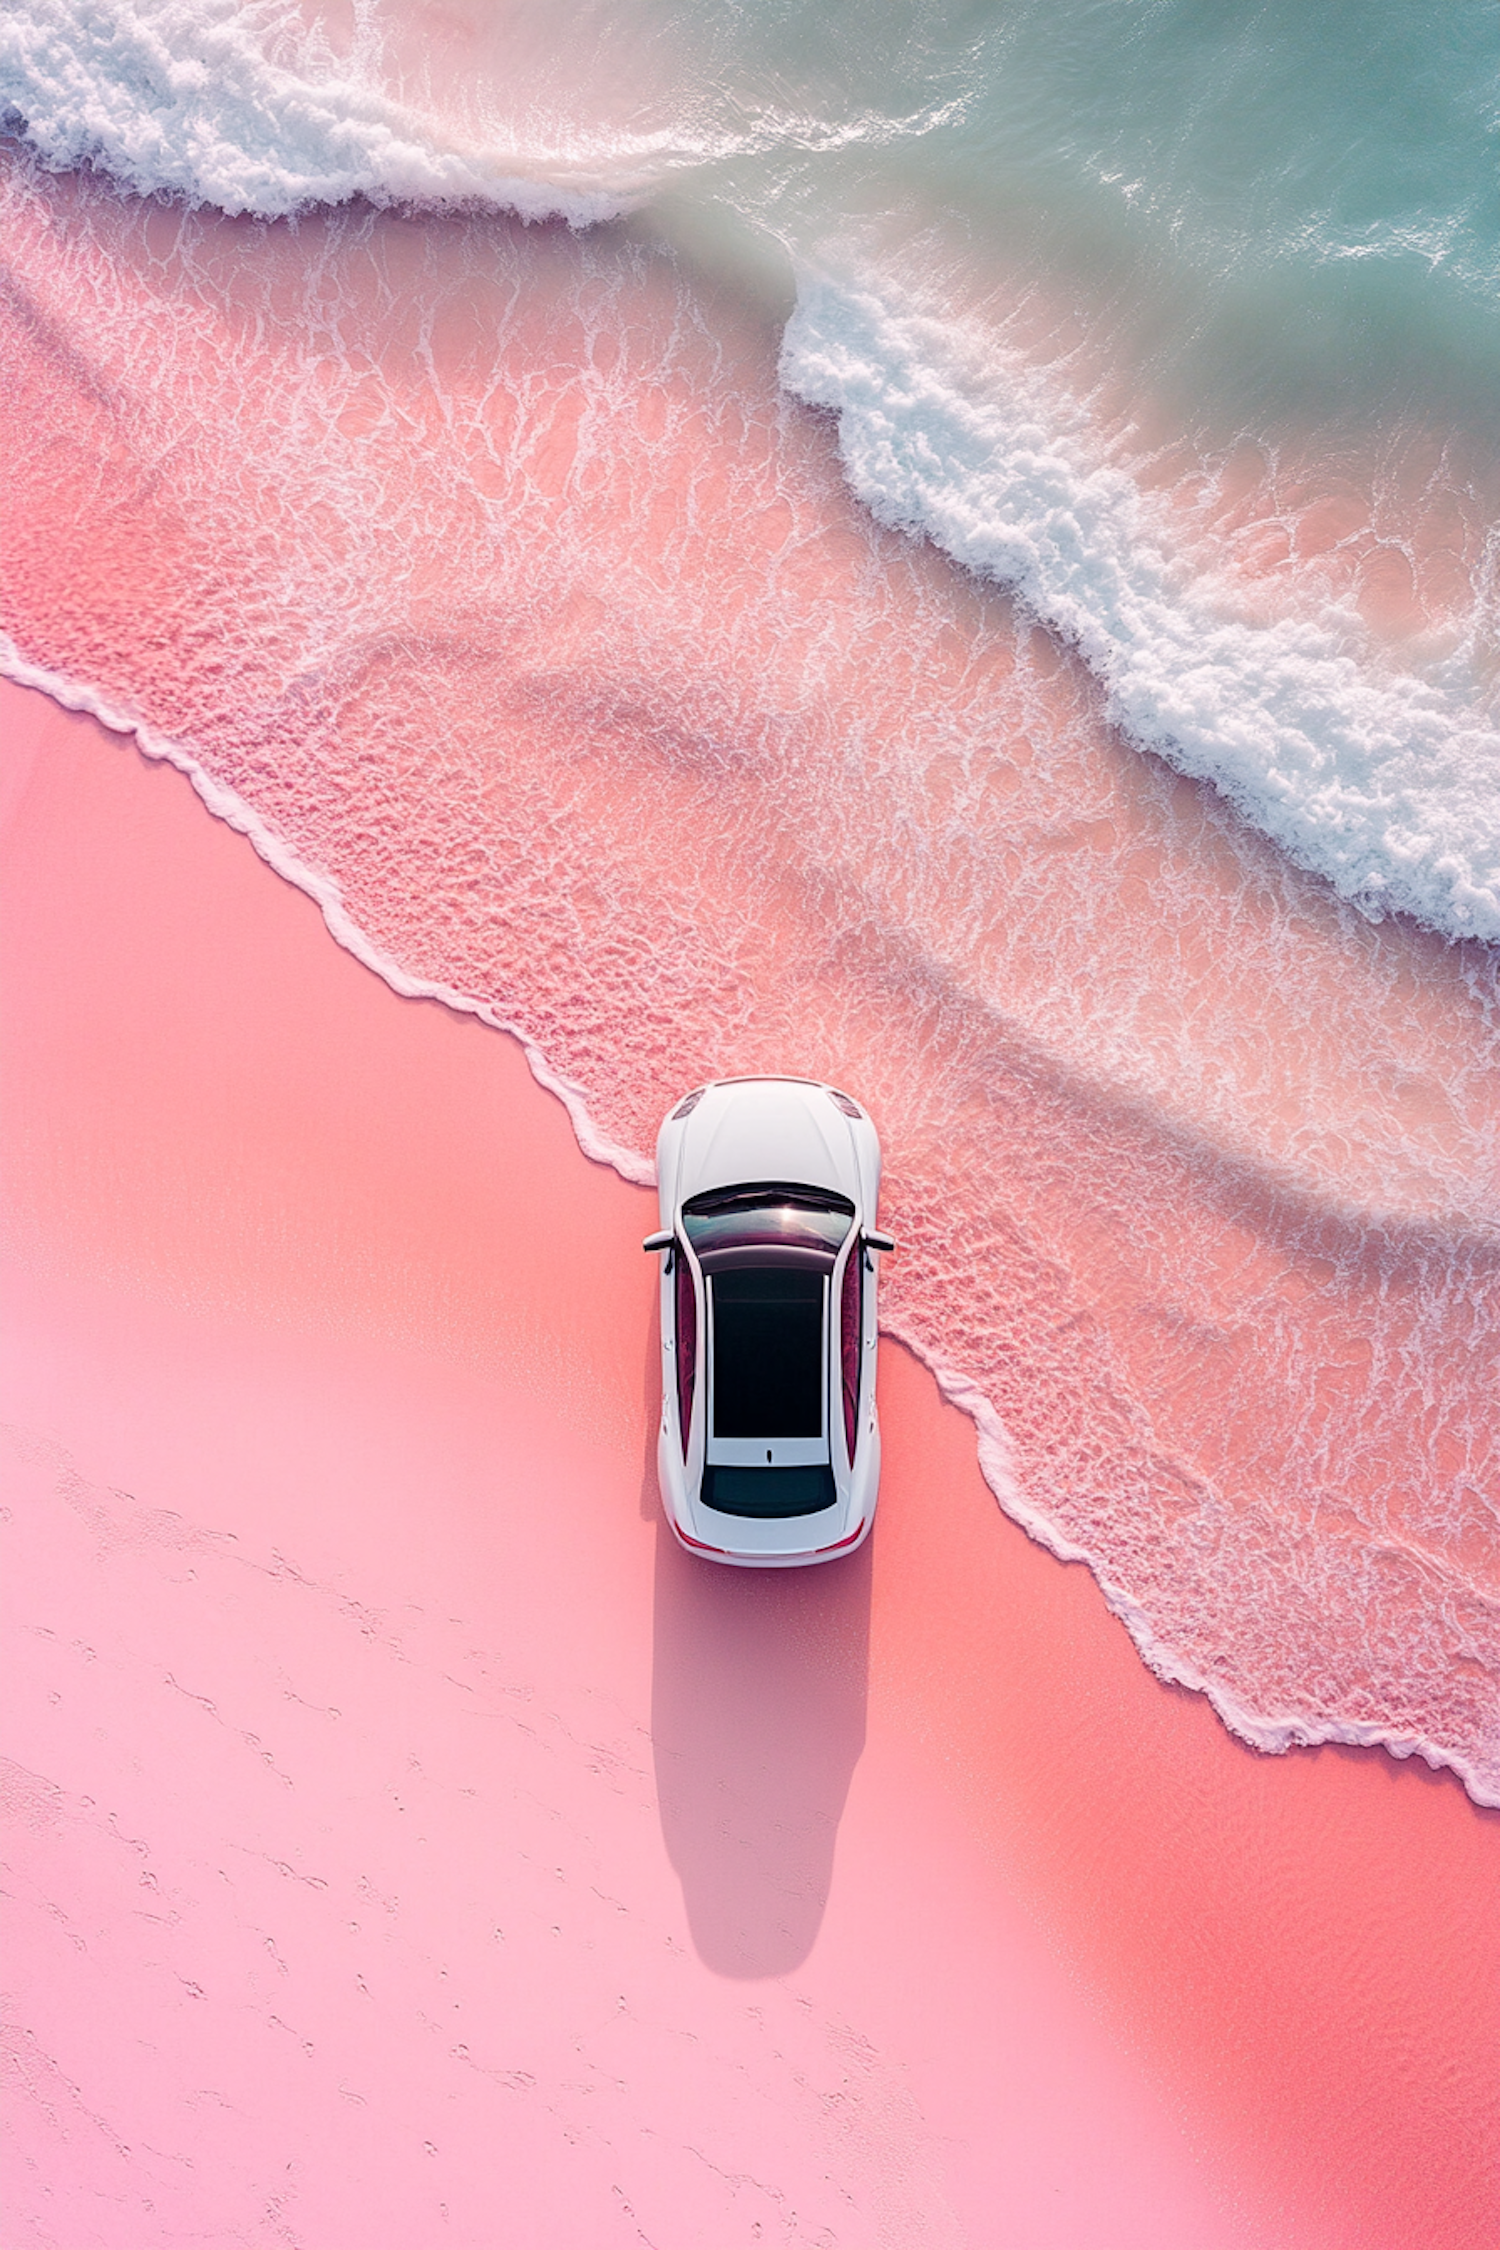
{"points": [[1373, 778], [223, 102], [209, 100], [1380, 781]]}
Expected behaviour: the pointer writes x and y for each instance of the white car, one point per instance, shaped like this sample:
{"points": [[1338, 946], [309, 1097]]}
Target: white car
{"points": [[769, 1454]]}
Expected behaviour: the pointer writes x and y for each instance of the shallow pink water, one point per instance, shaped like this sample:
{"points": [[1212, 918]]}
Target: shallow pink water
{"points": [[405, 1839], [490, 568]]}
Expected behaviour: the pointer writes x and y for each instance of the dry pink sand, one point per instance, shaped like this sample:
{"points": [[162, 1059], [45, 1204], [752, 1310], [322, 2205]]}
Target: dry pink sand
{"points": [[407, 1844]]}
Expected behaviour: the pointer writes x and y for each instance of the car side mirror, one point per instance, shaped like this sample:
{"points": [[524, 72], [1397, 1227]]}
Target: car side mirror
{"points": [[874, 1239], [661, 1241]]}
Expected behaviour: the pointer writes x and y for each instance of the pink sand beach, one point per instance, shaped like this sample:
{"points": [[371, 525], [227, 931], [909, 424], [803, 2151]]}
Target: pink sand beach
{"points": [[407, 1844]]}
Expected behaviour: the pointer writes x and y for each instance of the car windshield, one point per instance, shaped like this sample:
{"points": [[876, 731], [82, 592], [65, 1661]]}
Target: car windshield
{"points": [[768, 1352], [765, 1216]]}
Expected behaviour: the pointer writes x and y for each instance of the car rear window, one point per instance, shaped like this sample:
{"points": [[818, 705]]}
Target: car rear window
{"points": [[768, 1492], [768, 1353]]}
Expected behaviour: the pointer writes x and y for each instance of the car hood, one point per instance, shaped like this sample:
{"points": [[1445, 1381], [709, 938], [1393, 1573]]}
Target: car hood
{"points": [[767, 1129]]}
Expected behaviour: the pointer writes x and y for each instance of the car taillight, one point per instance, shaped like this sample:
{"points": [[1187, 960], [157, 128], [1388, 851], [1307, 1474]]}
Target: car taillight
{"points": [[701, 1544], [849, 1542]]}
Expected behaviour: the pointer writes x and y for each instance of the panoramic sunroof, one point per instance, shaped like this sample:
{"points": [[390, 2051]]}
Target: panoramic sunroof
{"points": [[768, 1354]]}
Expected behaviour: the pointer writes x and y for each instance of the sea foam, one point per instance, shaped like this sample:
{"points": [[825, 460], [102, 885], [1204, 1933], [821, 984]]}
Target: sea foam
{"points": [[1385, 782], [1365, 774], [200, 99]]}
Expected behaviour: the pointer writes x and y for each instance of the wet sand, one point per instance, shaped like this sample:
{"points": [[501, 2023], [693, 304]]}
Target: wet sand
{"points": [[408, 1841]]}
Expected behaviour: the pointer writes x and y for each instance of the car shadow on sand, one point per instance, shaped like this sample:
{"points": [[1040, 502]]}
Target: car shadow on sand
{"points": [[757, 1719], [760, 1680]]}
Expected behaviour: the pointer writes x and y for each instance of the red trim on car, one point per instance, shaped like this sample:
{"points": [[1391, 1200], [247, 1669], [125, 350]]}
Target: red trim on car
{"points": [[849, 1542], [689, 1541], [705, 1549]]}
